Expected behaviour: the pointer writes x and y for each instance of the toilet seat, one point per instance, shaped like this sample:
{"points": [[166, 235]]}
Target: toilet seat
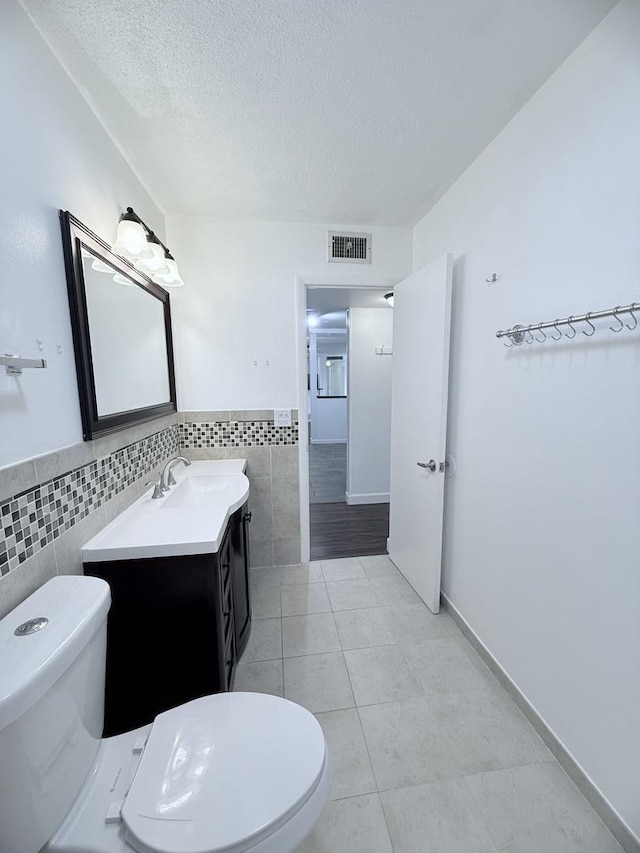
{"points": [[222, 773]]}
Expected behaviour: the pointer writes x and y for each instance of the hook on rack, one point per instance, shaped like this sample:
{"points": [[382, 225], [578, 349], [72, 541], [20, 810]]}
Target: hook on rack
{"points": [[615, 317], [635, 321], [593, 328], [555, 326], [572, 327], [544, 336]]}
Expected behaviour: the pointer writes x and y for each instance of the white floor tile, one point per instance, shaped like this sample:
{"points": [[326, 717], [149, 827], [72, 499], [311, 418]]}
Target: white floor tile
{"points": [[265, 601], [318, 682], [303, 573], [265, 640], [414, 623], [443, 666], [354, 825], [298, 599], [349, 595], [438, 816], [265, 676], [309, 635], [379, 566], [366, 627], [353, 774], [380, 674], [537, 808], [395, 590], [347, 568]]}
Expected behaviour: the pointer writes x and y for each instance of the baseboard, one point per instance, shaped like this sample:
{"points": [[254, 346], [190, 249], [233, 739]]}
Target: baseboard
{"points": [[609, 816], [370, 498], [327, 441]]}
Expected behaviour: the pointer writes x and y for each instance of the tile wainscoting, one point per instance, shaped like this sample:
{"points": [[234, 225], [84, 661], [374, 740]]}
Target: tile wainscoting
{"points": [[272, 466], [51, 505]]}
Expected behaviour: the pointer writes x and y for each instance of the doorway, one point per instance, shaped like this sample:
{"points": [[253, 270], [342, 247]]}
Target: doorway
{"points": [[349, 344]]}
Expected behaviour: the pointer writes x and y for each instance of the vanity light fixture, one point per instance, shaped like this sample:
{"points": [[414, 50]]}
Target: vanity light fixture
{"points": [[154, 265], [131, 238], [136, 242], [389, 297]]}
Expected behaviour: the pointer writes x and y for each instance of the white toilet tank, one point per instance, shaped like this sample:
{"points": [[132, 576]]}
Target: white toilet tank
{"points": [[51, 706]]}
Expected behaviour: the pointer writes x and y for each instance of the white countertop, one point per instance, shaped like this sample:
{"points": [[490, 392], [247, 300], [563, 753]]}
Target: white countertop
{"points": [[189, 519]]}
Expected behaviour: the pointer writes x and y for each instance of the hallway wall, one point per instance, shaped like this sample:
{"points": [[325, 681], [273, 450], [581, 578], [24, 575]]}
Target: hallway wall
{"points": [[369, 457], [541, 548]]}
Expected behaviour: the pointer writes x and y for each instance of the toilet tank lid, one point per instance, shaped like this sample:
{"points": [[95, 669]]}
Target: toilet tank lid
{"points": [[75, 607]]}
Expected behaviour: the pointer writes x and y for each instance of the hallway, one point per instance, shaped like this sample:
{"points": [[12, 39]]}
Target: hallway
{"points": [[327, 473], [429, 751], [338, 529]]}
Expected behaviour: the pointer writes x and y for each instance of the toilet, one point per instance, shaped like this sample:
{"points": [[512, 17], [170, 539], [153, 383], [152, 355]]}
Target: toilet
{"points": [[231, 772]]}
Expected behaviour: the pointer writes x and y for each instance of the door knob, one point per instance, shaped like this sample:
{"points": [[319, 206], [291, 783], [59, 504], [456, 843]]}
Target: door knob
{"points": [[431, 465]]}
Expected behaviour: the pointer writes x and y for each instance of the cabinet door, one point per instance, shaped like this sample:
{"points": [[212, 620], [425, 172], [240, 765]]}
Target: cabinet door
{"points": [[227, 643], [240, 561]]}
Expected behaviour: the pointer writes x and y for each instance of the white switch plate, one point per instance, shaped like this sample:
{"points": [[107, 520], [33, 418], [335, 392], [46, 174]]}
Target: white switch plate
{"points": [[282, 417]]}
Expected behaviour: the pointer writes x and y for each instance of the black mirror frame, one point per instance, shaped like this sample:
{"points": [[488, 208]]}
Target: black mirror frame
{"points": [[75, 234]]}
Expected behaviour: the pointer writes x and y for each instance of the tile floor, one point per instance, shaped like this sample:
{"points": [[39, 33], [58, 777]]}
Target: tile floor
{"points": [[430, 753]]}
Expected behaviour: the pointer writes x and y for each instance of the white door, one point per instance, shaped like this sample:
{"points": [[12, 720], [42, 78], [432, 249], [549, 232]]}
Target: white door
{"points": [[421, 332]]}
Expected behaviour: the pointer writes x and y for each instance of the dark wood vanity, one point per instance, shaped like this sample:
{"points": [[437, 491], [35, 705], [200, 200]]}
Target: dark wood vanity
{"points": [[176, 628]]}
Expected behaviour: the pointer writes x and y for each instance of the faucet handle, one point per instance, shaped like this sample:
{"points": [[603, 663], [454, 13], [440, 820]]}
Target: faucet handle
{"points": [[158, 491]]}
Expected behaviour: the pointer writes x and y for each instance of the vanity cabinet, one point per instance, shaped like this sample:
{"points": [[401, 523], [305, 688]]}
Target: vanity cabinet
{"points": [[176, 628]]}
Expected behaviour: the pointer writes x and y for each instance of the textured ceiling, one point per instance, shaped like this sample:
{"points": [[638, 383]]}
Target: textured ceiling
{"points": [[308, 110]]}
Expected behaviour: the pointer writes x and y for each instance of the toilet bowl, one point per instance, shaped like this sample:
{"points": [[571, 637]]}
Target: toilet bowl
{"points": [[231, 772]]}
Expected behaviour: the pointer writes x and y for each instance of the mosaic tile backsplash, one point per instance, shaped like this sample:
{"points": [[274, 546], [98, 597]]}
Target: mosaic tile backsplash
{"points": [[236, 434], [33, 519]]}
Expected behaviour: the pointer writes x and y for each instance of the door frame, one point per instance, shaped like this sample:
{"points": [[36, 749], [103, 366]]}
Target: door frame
{"points": [[301, 282]]}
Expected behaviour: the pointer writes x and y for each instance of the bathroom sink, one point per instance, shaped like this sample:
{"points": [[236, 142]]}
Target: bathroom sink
{"points": [[190, 519], [197, 490]]}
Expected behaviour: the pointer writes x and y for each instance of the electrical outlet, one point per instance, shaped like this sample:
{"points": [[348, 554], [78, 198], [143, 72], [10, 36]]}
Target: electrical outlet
{"points": [[282, 417]]}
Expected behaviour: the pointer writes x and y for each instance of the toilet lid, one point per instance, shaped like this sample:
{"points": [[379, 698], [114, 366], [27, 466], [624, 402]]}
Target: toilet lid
{"points": [[220, 771]]}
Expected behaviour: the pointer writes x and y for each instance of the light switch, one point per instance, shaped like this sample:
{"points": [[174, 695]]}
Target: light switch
{"points": [[282, 417]]}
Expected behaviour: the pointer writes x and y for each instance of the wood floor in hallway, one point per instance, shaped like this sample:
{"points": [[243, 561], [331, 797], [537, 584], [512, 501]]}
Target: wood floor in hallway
{"points": [[339, 530]]}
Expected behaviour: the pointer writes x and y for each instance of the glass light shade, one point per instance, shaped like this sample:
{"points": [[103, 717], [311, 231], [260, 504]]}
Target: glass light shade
{"points": [[100, 266], [156, 264], [131, 241], [170, 278], [389, 298], [121, 279]]}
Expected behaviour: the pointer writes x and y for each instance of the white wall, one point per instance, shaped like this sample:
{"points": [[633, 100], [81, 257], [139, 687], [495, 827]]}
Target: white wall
{"points": [[369, 446], [238, 305], [53, 154], [329, 424], [541, 553]]}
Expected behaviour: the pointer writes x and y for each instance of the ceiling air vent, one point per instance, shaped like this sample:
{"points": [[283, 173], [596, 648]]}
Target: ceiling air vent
{"points": [[346, 248]]}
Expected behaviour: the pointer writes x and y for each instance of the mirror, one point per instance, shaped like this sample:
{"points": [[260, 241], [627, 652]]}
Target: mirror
{"points": [[332, 376], [122, 335]]}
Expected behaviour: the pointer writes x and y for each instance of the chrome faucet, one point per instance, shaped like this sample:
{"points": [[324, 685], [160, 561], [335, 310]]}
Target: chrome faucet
{"points": [[166, 478]]}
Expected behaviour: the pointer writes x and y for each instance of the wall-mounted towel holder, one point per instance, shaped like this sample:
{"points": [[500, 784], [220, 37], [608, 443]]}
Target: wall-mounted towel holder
{"points": [[15, 364]]}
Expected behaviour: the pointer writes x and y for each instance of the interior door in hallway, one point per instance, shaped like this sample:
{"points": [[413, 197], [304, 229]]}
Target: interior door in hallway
{"points": [[421, 334]]}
